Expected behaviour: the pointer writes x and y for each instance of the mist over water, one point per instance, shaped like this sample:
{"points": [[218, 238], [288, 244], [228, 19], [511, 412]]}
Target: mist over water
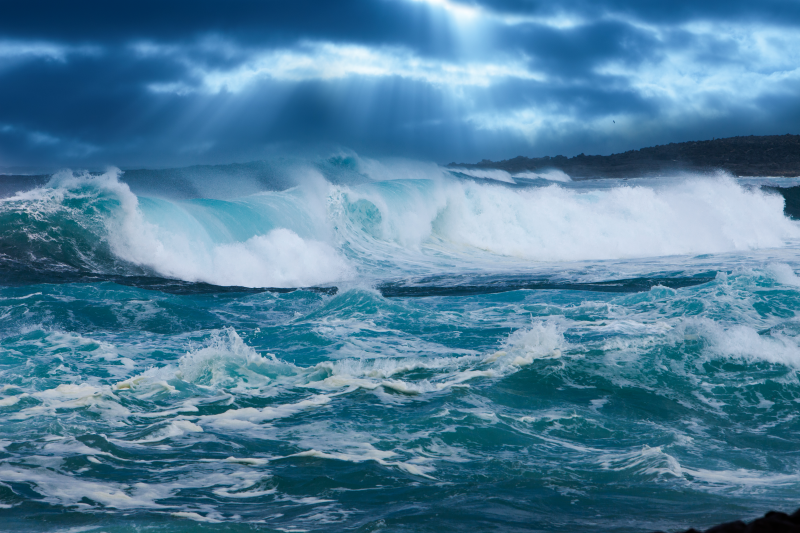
{"points": [[464, 350]]}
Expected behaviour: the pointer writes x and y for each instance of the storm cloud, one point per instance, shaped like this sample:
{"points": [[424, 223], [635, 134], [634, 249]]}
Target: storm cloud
{"points": [[171, 83]]}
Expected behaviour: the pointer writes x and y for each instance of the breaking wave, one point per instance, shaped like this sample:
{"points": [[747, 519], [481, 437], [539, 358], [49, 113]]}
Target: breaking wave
{"points": [[320, 233]]}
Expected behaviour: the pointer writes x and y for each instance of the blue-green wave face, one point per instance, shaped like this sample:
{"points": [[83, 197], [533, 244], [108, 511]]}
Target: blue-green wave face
{"points": [[397, 348]]}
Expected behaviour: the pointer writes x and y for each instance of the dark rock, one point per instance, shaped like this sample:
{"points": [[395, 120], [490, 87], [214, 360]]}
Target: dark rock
{"points": [[772, 522], [771, 155]]}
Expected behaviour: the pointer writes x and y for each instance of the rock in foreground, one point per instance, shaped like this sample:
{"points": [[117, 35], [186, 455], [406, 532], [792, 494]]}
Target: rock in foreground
{"points": [[772, 522]]}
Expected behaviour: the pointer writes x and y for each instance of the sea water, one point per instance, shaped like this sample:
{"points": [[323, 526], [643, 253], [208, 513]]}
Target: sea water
{"points": [[397, 347]]}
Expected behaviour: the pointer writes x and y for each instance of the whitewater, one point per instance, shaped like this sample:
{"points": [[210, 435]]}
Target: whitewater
{"points": [[346, 344]]}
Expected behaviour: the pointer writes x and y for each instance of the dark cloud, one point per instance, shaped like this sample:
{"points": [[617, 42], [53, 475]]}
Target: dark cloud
{"points": [[785, 12], [250, 22], [574, 51], [170, 83]]}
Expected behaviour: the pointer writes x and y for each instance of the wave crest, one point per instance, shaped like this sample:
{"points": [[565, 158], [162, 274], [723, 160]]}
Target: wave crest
{"points": [[319, 233]]}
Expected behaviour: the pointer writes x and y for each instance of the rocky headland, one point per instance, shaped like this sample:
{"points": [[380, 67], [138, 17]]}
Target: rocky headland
{"points": [[769, 155]]}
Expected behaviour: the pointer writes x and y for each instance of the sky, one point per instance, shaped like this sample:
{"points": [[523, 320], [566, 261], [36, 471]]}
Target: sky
{"points": [[157, 83]]}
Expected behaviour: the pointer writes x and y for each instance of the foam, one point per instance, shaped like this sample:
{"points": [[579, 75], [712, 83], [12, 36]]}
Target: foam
{"points": [[489, 174], [225, 361], [645, 461], [542, 340], [249, 461], [77, 391], [173, 430], [254, 415], [554, 224], [744, 343], [655, 461], [650, 325], [549, 175], [371, 374], [191, 515], [75, 396], [367, 452], [784, 274], [59, 345], [69, 490], [278, 258], [411, 223], [8, 401], [742, 477]]}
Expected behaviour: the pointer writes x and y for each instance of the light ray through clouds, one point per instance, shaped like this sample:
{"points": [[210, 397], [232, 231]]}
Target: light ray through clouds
{"points": [[460, 11], [464, 13], [438, 79]]}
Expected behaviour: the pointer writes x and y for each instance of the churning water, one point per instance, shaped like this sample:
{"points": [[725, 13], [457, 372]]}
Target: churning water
{"points": [[465, 351]]}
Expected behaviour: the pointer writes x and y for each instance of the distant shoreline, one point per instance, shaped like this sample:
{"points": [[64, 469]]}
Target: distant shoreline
{"points": [[753, 156]]}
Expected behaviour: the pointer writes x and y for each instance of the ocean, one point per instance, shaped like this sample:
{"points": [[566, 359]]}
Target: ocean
{"points": [[344, 344]]}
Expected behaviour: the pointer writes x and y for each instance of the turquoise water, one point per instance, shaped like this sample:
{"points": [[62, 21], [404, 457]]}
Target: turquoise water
{"points": [[467, 355]]}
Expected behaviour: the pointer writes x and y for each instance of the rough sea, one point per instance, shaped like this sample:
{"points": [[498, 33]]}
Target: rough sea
{"points": [[346, 344]]}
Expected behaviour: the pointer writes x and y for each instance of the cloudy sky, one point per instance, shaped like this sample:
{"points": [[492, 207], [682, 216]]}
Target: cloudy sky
{"points": [[155, 83]]}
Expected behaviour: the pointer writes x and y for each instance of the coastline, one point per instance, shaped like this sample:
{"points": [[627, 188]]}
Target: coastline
{"points": [[753, 156]]}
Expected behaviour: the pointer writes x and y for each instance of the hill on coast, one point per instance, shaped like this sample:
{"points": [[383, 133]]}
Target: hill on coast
{"points": [[769, 155]]}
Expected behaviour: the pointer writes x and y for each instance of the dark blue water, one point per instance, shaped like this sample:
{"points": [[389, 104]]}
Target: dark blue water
{"points": [[443, 353]]}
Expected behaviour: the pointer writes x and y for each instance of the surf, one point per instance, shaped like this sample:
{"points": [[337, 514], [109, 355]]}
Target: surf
{"points": [[389, 223]]}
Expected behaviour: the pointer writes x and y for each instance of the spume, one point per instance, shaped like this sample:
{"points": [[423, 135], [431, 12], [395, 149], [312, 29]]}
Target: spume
{"points": [[558, 224]]}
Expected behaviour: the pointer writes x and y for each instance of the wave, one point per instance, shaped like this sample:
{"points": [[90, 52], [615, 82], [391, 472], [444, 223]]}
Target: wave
{"points": [[559, 224], [324, 233], [502, 175], [577, 363], [91, 223]]}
